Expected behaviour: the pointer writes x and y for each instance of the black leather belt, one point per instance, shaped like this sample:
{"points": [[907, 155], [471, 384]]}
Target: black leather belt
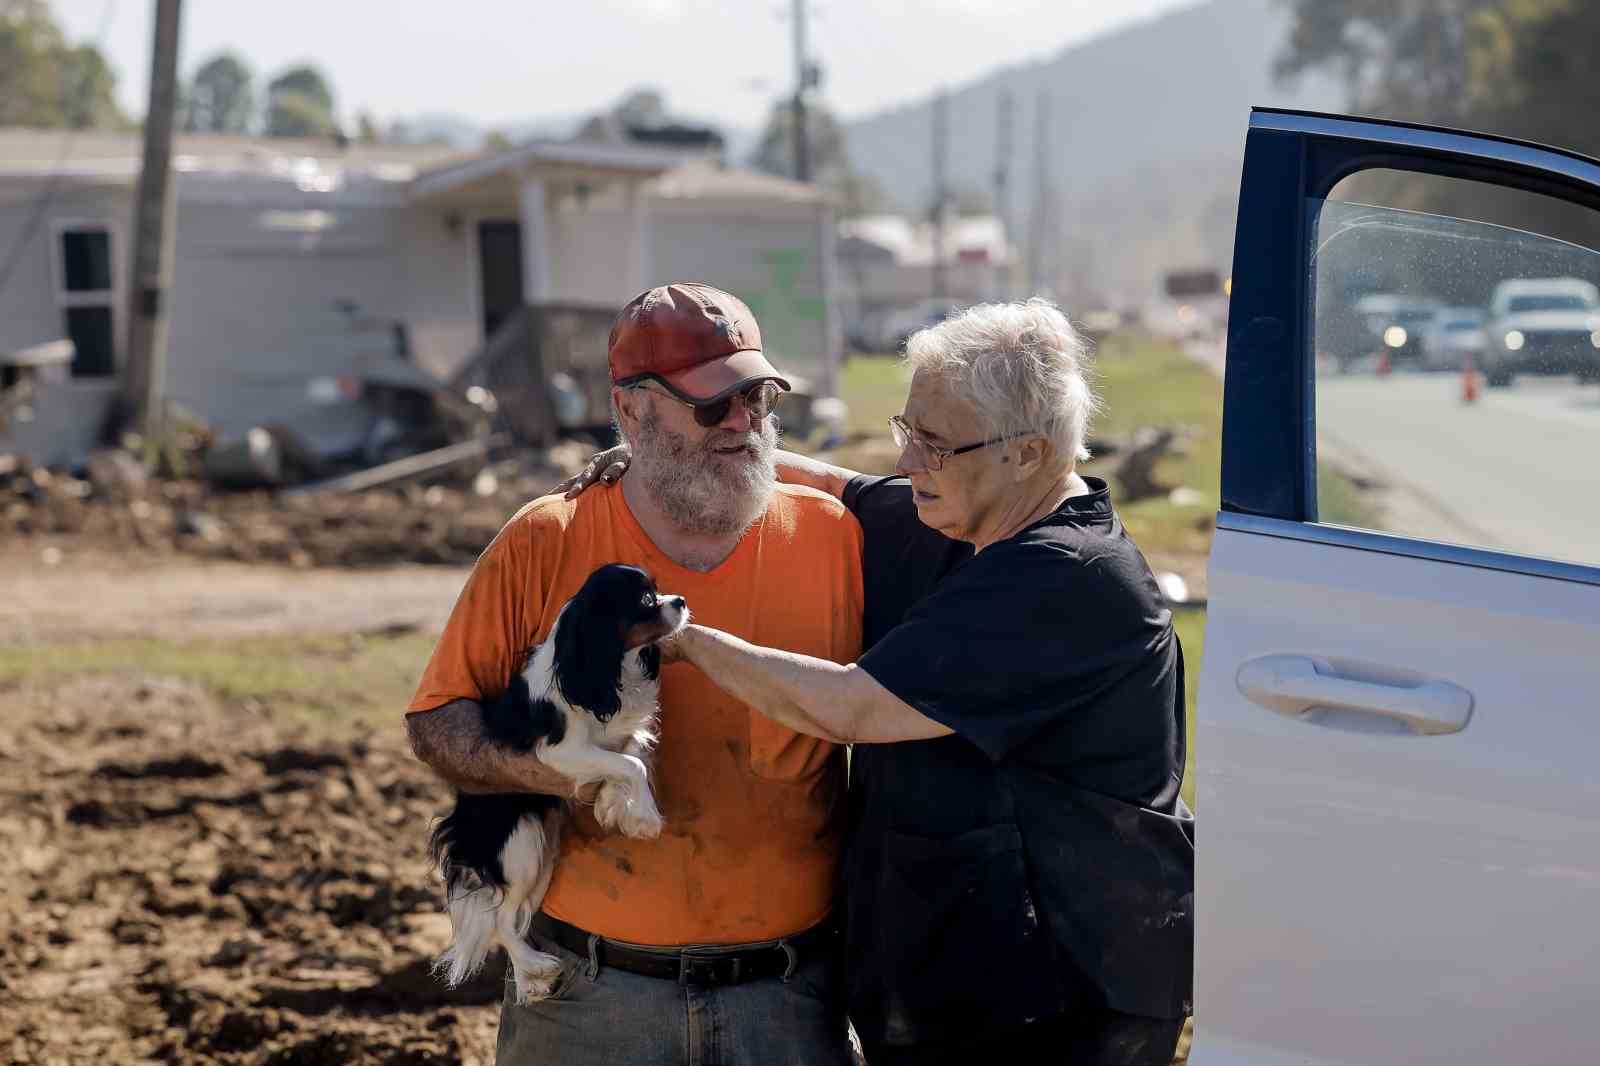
{"points": [[711, 964]]}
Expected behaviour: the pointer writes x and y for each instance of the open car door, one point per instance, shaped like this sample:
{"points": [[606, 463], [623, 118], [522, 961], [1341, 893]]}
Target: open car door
{"points": [[1399, 709]]}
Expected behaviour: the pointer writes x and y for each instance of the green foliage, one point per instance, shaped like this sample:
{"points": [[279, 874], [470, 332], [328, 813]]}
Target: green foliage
{"points": [[1519, 67], [46, 82], [853, 194], [300, 104], [221, 98], [1405, 59]]}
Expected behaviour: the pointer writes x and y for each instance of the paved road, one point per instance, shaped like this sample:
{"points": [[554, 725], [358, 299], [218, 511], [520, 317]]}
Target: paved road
{"points": [[1520, 468]]}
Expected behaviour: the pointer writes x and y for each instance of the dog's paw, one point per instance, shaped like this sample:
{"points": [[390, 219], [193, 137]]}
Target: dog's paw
{"points": [[610, 803], [617, 807], [538, 980], [641, 820], [641, 825]]}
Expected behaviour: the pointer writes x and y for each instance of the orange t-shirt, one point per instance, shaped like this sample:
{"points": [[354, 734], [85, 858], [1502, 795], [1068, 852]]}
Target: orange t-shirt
{"points": [[753, 810]]}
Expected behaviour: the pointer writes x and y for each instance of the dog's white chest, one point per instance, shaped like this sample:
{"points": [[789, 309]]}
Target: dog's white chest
{"points": [[640, 702]]}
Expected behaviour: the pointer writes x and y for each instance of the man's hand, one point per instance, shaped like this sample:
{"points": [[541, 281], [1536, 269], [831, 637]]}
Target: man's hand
{"points": [[607, 466]]}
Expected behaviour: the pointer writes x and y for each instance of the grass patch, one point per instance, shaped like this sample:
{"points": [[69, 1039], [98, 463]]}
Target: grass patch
{"points": [[874, 387], [330, 678], [1190, 622], [1340, 503]]}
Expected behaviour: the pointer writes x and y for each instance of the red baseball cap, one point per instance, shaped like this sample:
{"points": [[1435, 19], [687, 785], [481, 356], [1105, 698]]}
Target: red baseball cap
{"points": [[699, 342]]}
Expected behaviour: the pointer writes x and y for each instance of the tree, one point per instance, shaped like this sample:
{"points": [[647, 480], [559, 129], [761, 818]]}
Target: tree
{"points": [[641, 108], [1533, 69], [44, 81], [853, 193], [1403, 59], [1517, 67], [300, 104], [367, 129], [221, 97]]}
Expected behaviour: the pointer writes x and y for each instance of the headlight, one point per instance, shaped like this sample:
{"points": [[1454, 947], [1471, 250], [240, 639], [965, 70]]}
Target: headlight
{"points": [[1594, 338], [1395, 336], [1515, 340]]}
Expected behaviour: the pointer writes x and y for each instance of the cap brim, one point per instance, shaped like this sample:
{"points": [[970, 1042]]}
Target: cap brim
{"points": [[724, 376]]}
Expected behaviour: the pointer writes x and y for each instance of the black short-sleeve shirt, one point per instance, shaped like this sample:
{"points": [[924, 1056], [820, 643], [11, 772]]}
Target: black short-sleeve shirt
{"points": [[1039, 859]]}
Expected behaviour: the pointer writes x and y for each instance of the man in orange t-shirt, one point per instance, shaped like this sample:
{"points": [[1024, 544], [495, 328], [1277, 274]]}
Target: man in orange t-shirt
{"points": [[713, 943]]}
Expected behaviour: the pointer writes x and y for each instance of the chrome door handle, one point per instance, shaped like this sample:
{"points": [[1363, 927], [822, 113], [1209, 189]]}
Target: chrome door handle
{"points": [[1307, 689]]}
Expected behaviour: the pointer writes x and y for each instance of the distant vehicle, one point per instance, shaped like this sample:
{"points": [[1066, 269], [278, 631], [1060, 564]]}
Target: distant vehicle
{"points": [[1397, 323], [1543, 326], [1455, 335], [899, 327]]}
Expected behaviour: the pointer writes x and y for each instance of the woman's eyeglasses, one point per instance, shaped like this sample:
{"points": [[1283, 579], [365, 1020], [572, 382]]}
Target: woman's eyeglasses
{"points": [[760, 400], [933, 456]]}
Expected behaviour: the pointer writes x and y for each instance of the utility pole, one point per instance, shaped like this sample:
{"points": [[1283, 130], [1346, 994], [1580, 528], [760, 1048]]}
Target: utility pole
{"points": [[804, 78], [1002, 194], [1038, 225], [941, 192], [139, 403]]}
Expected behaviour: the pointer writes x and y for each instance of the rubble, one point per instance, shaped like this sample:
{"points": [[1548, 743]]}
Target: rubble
{"points": [[443, 513]]}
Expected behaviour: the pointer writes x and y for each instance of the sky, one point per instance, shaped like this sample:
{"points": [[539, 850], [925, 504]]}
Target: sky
{"points": [[496, 61]]}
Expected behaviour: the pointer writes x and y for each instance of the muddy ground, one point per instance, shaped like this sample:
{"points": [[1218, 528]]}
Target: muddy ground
{"points": [[193, 884]]}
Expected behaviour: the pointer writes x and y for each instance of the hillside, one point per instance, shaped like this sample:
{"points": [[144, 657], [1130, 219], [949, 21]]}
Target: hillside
{"points": [[1146, 132]]}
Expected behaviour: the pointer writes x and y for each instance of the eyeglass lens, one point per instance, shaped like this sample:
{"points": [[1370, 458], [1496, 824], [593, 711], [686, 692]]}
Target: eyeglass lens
{"points": [[760, 400]]}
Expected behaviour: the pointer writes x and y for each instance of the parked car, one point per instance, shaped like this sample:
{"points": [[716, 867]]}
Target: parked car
{"points": [[1543, 326], [899, 326], [1400, 857], [1456, 336], [1397, 324]]}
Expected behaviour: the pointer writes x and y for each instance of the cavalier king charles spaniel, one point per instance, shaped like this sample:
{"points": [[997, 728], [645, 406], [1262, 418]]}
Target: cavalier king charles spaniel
{"points": [[585, 706]]}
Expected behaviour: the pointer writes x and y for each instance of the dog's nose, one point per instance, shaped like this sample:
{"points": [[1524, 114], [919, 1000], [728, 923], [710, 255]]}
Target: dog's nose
{"points": [[675, 601]]}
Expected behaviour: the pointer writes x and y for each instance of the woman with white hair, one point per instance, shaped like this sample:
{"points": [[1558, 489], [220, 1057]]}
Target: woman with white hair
{"points": [[1019, 866]]}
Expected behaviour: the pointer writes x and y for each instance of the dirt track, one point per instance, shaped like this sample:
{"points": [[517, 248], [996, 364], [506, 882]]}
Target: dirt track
{"points": [[92, 593], [195, 885]]}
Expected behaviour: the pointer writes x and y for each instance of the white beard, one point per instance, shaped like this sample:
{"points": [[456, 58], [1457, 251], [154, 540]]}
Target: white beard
{"points": [[700, 490]]}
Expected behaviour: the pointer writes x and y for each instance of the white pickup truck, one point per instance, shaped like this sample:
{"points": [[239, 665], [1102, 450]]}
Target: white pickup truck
{"points": [[1398, 735]]}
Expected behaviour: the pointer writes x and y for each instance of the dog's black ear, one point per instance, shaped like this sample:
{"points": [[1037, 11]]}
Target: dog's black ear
{"points": [[589, 649], [650, 659]]}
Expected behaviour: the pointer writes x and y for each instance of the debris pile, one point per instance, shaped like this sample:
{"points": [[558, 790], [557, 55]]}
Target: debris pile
{"points": [[440, 515]]}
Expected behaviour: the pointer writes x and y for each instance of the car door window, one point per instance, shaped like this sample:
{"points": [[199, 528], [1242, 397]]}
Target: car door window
{"points": [[1456, 338]]}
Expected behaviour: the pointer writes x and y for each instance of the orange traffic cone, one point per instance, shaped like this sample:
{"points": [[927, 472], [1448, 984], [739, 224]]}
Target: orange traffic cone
{"points": [[1385, 364], [1469, 381]]}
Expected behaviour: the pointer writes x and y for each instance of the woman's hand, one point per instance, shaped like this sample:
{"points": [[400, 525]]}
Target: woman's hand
{"points": [[607, 466], [671, 648]]}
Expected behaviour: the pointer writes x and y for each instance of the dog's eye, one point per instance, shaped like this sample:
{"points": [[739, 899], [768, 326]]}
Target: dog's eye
{"points": [[647, 600]]}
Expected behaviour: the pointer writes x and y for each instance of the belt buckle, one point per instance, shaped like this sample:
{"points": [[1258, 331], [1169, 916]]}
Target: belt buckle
{"points": [[699, 966]]}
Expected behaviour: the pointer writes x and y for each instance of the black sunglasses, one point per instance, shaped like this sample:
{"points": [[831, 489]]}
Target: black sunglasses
{"points": [[759, 399]]}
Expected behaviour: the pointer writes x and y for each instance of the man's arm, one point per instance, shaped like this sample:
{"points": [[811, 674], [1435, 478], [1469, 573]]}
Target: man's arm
{"points": [[816, 697], [451, 740]]}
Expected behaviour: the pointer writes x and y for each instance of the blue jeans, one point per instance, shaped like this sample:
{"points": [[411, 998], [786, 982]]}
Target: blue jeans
{"points": [[615, 1018]]}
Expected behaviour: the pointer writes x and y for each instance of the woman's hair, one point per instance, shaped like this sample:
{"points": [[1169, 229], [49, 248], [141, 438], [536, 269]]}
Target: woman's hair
{"points": [[1022, 365]]}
